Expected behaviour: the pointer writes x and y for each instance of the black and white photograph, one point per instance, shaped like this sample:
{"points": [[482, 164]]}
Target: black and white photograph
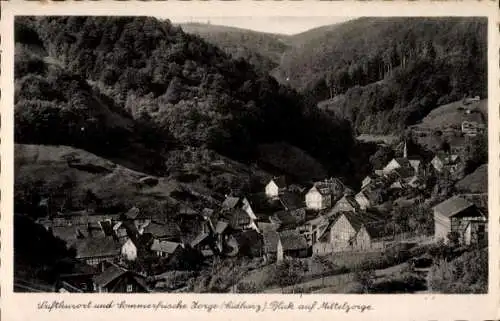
{"points": [[256, 155]]}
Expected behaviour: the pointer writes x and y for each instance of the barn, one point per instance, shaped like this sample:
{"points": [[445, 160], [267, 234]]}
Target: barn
{"points": [[457, 215]]}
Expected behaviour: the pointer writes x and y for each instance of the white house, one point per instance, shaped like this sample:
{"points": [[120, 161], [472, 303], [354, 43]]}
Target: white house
{"points": [[396, 163], [362, 200], [275, 187], [318, 198], [129, 250]]}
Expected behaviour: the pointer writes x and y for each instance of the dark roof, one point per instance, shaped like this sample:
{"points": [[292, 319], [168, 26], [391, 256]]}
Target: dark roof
{"points": [[266, 227], [111, 273], [164, 246], [221, 227], [230, 202], [292, 240], [280, 181], [107, 227], [238, 218], [453, 206], [350, 200], [291, 201], [405, 172], [199, 239], [159, 230], [261, 204], [271, 239], [132, 213], [290, 217], [358, 220], [375, 231], [403, 162], [96, 247]]}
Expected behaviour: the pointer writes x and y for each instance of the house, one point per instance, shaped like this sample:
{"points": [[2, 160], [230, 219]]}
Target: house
{"points": [[371, 237], [457, 215], [233, 203], [396, 163], [322, 194], [294, 244], [166, 249], [239, 219], [96, 250], [312, 229], [136, 245], [368, 180], [250, 243], [276, 186], [273, 248], [346, 204], [341, 234], [444, 161], [363, 200], [116, 279], [472, 128]]}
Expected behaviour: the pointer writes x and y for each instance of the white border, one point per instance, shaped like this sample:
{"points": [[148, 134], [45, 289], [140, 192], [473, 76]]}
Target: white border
{"points": [[17, 306]]}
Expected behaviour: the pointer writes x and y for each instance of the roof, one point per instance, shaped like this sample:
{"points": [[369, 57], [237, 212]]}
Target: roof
{"points": [[358, 220], [290, 217], [405, 172], [350, 200], [403, 162], [329, 186], [221, 227], [292, 240], [280, 181], [107, 227], [375, 231], [168, 229], [111, 273], [164, 246], [230, 202], [132, 213], [453, 206], [207, 212], [200, 238], [239, 218], [96, 247], [266, 227], [291, 201], [271, 240]]}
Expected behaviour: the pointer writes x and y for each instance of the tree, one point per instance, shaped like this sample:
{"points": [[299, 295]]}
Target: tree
{"points": [[290, 272]]}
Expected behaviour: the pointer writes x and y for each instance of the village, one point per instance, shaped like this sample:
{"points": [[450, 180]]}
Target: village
{"points": [[126, 252]]}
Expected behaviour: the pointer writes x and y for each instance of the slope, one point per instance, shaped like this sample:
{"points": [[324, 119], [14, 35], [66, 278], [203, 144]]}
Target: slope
{"points": [[262, 50]]}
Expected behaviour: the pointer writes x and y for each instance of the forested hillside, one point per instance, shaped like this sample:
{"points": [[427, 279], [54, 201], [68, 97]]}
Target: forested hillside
{"points": [[388, 73], [381, 74], [102, 83], [262, 50]]}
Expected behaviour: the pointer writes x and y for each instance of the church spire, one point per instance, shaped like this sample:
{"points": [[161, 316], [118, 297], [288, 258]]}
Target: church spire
{"points": [[405, 151]]}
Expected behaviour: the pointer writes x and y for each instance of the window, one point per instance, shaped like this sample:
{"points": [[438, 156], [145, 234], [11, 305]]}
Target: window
{"points": [[129, 288]]}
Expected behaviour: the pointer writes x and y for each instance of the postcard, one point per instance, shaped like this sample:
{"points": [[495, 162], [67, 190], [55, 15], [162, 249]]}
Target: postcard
{"points": [[236, 160]]}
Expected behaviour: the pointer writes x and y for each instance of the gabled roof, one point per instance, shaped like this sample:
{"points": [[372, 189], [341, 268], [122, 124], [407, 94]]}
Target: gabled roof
{"points": [[289, 217], [403, 162], [405, 172], [96, 247], [230, 202], [221, 227], [358, 220], [375, 231], [328, 186], [349, 199], [132, 213], [271, 240], [453, 206], [200, 238], [239, 218], [159, 230], [164, 246], [292, 240], [109, 275]]}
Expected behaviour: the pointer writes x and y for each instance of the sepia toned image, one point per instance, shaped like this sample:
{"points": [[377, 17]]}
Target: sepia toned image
{"points": [[218, 155]]}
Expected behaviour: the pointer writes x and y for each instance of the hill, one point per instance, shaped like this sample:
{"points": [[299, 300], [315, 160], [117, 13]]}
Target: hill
{"points": [[476, 182], [176, 91], [262, 50]]}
